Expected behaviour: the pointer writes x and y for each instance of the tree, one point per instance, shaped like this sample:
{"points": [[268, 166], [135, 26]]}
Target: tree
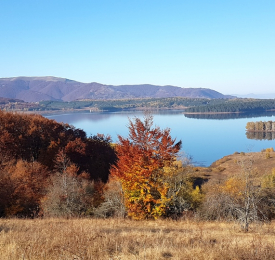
{"points": [[69, 194], [142, 160], [22, 187]]}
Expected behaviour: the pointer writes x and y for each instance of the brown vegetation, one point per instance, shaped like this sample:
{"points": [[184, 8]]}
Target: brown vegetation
{"points": [[230, 165], [83, 239], [42, 161]]}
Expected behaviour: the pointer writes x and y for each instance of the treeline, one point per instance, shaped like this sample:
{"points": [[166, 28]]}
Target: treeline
{"points": [[126, 104], [190, 105], [235, 106], [260, 126], [34, 150]]}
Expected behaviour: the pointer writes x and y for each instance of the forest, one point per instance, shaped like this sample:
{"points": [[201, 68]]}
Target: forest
{"points": [[235, 106], [50, 169], [128, 104], [190, 106]]}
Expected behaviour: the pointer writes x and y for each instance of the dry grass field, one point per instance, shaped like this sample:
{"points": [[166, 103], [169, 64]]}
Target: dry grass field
{"points": [[126, 239]]}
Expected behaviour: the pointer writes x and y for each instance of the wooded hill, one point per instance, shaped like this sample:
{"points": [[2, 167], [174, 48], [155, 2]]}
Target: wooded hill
{"points": [[34, 150]]}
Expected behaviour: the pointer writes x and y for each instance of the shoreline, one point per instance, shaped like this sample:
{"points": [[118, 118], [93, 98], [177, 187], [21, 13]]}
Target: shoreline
{"points": [[211, 113]]}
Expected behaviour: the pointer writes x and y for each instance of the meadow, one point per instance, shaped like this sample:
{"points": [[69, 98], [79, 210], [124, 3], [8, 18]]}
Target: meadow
{"points": [[127, 239]]}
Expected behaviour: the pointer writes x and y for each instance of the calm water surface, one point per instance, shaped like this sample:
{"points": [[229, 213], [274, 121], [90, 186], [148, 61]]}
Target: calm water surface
{"points": [[205, 140]]}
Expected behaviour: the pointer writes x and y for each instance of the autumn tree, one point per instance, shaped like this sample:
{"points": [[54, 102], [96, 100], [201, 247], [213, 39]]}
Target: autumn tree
{"points": [[22, 187], [142, 160]]}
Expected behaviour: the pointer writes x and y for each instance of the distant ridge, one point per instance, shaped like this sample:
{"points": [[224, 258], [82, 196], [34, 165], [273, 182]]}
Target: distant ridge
{"points": [[34, 89], [260, 96]]}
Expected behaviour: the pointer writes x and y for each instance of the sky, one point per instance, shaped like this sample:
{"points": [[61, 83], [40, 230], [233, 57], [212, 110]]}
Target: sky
{"points": [[228, 46]]}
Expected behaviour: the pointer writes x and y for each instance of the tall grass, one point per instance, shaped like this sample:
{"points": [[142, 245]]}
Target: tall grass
{"points": [[125, 239]]}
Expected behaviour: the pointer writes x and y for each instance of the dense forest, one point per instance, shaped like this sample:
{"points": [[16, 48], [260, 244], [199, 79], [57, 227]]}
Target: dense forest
{"points": [[106, 105], [129, 104], [235, 106], [33, 149]]}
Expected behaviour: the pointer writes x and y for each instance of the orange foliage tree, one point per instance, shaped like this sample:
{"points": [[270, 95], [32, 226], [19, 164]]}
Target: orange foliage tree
{"points": [[143, 159], [22, 187]]}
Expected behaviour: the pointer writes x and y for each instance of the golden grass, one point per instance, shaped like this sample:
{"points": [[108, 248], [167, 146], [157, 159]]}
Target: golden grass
{"points": [[125, 239]]}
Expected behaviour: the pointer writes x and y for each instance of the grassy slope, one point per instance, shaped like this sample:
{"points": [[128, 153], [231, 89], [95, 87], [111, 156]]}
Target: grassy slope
{"points": [[231, 164]]}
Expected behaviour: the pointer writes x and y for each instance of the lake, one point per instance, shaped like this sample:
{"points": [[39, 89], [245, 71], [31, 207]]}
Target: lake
{"points": [[204, 140]]}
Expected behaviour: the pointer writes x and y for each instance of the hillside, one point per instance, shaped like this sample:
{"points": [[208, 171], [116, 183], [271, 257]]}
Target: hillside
{"points": [[34, 89], [231, 165]]}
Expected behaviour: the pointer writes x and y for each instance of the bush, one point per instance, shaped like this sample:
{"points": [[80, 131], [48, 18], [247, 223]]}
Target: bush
{"points": [[113, 204], [270, 150], [182, 195], [68, 196], [267, 155]]}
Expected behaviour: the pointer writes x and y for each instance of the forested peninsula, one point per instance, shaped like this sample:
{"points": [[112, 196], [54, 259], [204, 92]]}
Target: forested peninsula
{"points": [[243, 105], [190, 106]]}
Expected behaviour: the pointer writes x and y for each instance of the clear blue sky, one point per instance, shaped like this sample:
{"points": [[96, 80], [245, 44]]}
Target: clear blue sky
{"points": [[228, 46]]}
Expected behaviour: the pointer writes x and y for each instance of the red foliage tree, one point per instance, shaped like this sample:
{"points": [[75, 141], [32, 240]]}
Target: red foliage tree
{"points": [[143, 158]]}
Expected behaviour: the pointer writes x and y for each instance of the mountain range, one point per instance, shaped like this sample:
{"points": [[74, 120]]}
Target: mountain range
{"points": [[35, 89]]}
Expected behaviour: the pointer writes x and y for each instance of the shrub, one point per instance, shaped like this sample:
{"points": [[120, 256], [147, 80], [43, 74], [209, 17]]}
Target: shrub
{"points": [[238, 198], [113, 204], [66, 196], [267, 155]]}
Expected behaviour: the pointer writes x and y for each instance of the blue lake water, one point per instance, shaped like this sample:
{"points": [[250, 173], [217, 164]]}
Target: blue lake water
{"points": [[205, 140]]}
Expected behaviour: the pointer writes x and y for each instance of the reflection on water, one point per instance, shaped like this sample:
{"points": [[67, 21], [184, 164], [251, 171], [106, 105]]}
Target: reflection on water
{"points": [[78, 117], [261, 135], [231, 116], [205, 140]]}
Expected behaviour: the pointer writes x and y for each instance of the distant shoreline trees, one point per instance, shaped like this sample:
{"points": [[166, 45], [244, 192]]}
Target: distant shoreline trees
{"points": [[260, 130], [260, 126]]}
